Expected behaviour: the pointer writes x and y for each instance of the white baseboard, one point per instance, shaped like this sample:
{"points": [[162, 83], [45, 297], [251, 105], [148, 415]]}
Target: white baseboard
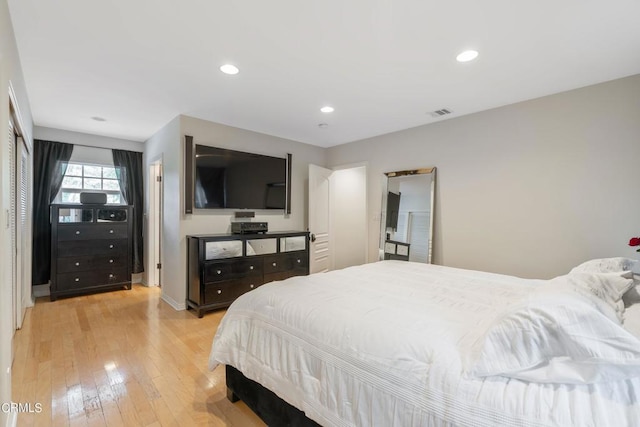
{"points": [[12, 419], [40, 291], [173, 303]]}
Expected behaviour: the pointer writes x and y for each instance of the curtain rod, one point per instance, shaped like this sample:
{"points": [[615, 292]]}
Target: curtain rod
{"points": [[85, 145]]}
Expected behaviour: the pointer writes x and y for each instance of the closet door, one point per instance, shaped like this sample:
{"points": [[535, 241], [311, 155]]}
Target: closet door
{"points": [[12, 223], [18, 224], [23, 248]]}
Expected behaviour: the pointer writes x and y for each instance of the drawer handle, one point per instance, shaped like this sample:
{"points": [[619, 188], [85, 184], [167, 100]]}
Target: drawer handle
{"points": [[111, 276], [77, 279], [112, 215], [110, 246], [110, 261], [274, 264], [299, 260], [110, 231], [219, 291], [77, 231], [77, 264], [218, 272], [251, 267], [251, 286]]}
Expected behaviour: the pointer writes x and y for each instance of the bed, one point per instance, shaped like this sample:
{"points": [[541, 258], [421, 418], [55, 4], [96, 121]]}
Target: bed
{"points": [[396, 343]]}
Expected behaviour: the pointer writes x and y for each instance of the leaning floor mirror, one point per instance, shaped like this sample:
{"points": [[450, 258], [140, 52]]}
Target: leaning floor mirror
{"points": [[406, 220]]}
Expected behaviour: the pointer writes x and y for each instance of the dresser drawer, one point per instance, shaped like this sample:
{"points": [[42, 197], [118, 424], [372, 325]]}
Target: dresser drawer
{"points": [[93, 231], [92, 262], [224, 292], [220, 271], [89, 279], [299, 260], [277, 263], [114, 247], [287, 265]]}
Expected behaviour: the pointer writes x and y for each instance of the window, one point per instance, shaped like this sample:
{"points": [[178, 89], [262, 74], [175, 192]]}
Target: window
{"points": [[84, 177]]}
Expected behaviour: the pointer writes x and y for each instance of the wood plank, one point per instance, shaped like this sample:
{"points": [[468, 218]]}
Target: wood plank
{"points": [[122, 358]]}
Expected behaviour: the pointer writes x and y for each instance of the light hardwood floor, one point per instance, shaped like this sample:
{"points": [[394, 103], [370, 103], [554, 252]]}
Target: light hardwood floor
{"points": [[122, 358]]}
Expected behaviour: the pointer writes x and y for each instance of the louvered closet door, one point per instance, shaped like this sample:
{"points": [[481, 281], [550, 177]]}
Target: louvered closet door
{"points": [[23, 252], [12, 222]]}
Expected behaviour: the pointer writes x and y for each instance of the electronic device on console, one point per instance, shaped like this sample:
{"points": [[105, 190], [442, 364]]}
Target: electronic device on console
{"points": [[245, 227]]}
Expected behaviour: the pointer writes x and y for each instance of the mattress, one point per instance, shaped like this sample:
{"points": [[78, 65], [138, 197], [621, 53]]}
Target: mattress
{"points": [[387, 344]]}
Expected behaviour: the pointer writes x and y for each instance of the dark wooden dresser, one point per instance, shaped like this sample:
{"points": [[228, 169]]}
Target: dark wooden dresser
{"points": [[90, 248], [221, 267]]}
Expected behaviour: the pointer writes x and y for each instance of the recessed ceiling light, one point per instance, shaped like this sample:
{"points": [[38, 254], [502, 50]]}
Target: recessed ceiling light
{"points": [[467, 55], [98, 119], [229, 69], [327, 109], [323, 125]]}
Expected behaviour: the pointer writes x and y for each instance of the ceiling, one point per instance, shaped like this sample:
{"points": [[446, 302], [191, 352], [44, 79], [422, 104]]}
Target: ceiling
{"points": [[384, 65]]}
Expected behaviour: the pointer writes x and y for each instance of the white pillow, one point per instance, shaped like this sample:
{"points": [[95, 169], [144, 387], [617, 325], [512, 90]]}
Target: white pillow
{"points": [[632, 296], [605, 265], [620, 265], [608, 287], [566, 332]]}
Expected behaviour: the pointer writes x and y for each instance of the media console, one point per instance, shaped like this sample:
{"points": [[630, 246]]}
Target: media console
{"points": [[221, 267]]}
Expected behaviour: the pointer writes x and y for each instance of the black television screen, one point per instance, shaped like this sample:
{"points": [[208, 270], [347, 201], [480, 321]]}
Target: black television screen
{"points": [[238, 180], [393, 209]]}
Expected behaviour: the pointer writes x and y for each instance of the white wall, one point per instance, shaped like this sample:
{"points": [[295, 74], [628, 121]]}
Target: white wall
{"points": [[10, 74], [529, 189], [85, 139], [348, 204], [166, 146], [169, 143]]}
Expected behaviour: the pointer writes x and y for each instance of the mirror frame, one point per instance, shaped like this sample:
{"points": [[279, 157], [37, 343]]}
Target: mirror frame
{"points": [[383, 212]]}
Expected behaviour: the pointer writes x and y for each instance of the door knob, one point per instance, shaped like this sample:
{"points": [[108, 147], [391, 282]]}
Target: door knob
{"points": [[313, 237]]}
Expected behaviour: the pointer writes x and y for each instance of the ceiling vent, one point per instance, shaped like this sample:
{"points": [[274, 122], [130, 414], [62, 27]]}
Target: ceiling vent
{"points": [[440, 113]]}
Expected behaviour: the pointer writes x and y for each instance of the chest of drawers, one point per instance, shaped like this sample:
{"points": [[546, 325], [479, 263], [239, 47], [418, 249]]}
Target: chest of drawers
{"points": [[90, 248], [222, 267]]}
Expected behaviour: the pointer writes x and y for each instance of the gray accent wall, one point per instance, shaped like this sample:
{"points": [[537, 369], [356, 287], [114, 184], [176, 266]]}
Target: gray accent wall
{"points": [[168, 144], [530, 189]]}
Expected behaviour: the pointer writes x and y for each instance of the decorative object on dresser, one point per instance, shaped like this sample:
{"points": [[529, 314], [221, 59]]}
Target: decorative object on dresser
{"points": [[247, 227], [90, 248], [221, 267]]}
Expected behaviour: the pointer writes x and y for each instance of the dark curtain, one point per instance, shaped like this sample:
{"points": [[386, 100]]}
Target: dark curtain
{"points": [[129, 169], [50, 161]]}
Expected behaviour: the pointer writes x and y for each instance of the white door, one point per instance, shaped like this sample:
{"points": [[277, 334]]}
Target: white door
{"points": [[155, 225], [319, 224]]}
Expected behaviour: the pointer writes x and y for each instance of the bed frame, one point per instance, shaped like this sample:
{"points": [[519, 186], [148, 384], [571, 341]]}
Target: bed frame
{"points": [[266, 404]]}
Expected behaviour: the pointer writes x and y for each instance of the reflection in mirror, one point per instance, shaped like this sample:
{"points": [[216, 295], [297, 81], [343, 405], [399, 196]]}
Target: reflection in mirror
{"points": [[75, 215], [406, 225], [293, 243]]}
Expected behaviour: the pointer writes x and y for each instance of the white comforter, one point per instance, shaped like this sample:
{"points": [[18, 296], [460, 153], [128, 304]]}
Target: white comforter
{"points": [[387, 344]]}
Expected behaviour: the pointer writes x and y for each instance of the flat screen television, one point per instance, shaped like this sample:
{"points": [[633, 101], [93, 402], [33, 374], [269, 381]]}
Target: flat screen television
{"points": [[229, 179], [393, 209]]}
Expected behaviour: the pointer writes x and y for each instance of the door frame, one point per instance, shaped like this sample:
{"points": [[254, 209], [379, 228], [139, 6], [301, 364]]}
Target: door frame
{"points": [[320, 242], [334, 219], [23, 263], [154, 221]]}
